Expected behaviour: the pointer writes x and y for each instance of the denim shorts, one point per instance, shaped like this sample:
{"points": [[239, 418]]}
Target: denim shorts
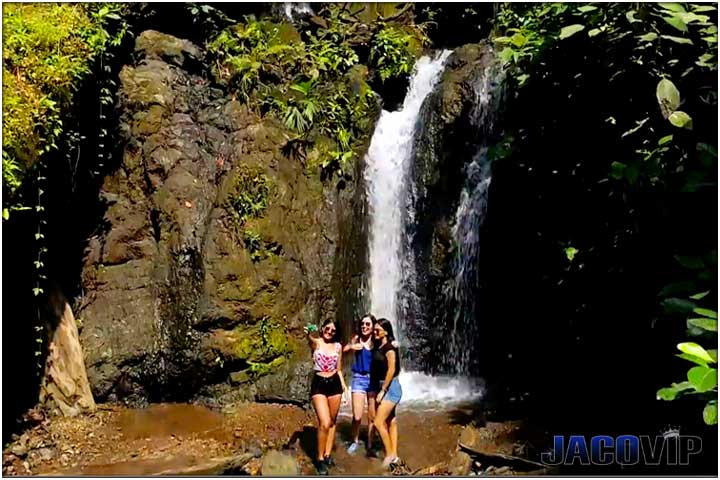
{"points": [[360, 383], [394, 392]]}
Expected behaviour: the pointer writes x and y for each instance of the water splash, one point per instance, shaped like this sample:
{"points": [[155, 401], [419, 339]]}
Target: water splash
{"points": [[387, 163], [421, 389], [296, 8]]}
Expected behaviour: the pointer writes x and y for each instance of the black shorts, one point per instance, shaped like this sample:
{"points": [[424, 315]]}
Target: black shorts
{"points": [[328, 386]]}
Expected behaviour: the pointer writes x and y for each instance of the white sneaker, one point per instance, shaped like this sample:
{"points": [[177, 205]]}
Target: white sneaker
{"points": [[389, 461]]}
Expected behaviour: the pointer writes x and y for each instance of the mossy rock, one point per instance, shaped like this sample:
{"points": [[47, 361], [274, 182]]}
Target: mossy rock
{"points": [[174, 50], [260, 369], [258, 343]]}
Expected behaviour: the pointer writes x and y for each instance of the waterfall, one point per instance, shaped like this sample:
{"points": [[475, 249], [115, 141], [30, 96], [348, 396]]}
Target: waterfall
{"points": [[386, 177], [462, 290], [298, 8], [387, 162]]}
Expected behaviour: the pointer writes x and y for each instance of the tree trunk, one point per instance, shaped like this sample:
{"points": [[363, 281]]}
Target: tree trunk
{"points": [[64, 388]]}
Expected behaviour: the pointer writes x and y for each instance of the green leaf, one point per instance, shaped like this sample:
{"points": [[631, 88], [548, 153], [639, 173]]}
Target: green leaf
{"points": [[693, 17], [518, 40], [617, 170], [704, 323], [703, 379], [570, 253], [699, 296], [703, 8], [676, 288], [692, 348], [713, 354], [632, 172], [693, 263], [665, 139], [705, 312], [710, 414], [678, 305], [677, 39], [506, 54], [669, 393], [594, 32], [681, 120], [502, 40], [570, 30], [667, 96], [631, 16], [587, 8], [648, 37], [676, 22], [693, 359], [6, 214], [673, 7]]}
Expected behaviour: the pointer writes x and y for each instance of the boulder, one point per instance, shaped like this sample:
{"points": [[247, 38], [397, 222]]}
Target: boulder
{"points": [[278, 464], [216, 247]]}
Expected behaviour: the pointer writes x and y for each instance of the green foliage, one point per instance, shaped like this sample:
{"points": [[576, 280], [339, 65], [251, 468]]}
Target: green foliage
{"points": [[248, 199], [657, 67], [313, 80], [702, 376], [259, 248], [47, 50], [249, 194], [393, 51]]}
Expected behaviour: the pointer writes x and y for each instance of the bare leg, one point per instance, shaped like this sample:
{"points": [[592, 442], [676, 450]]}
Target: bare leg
{"points": [[358, 405], [371, 417], [322, 409], [334, 408], [394, 433], [384, 410]]}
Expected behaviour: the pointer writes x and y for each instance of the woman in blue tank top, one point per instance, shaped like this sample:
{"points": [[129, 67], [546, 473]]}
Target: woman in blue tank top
{"points": [[362, 345]]}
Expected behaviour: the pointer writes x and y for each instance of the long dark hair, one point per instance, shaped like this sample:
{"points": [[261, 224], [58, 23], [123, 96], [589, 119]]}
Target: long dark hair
{"points": [[358, 326], [387, 326], [328, 321]]}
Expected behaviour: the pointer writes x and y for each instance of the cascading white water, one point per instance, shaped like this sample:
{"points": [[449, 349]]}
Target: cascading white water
{"points": [[462, 290], [386, 176], [298, 8], [387, 163]]}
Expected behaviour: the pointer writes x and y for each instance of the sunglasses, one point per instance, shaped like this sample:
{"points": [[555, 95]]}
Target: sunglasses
{"points": [[329, 330], [367, 324]]}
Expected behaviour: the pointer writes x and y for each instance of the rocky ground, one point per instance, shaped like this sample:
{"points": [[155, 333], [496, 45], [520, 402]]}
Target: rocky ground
{"points": [[189, 439]]}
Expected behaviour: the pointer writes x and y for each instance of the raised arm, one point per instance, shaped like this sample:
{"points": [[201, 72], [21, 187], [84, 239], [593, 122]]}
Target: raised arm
{"points": [[353, 345], [312, 337]]}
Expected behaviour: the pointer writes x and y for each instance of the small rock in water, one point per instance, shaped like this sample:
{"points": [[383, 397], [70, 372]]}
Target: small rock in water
{"points": [[277, 464]]}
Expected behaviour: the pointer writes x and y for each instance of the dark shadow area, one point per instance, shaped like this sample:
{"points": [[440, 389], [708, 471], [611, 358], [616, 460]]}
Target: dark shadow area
{"points": [[72, 211], [585, 342], [307, 440]]}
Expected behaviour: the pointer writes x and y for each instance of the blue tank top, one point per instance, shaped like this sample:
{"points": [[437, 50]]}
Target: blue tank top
{"points": [[363, 359]]}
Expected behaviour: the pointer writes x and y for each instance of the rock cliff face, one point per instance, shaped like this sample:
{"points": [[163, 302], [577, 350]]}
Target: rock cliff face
{"points": [[450, 132], [218, 245]]}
